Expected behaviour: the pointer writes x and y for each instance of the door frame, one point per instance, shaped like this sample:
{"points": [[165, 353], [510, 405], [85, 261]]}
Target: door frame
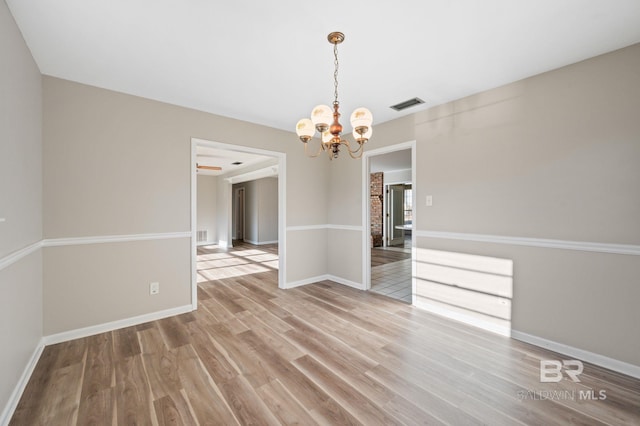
{"points": [[282, 210], [366, 214]]}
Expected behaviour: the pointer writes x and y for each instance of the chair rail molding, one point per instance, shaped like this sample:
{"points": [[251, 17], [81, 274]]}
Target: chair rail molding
{"points": [[628, 249]]}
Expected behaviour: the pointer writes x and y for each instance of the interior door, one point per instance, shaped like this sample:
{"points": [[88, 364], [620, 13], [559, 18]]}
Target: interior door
{"points": [[395, 215], [239, 214]]}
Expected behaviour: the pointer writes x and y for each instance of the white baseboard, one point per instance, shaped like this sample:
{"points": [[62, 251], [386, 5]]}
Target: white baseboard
{"points": [[206, 243], [581, 354], [344, 281], [306, 281], [12, 404], [325, 277], [260, 243], [114, 325]]}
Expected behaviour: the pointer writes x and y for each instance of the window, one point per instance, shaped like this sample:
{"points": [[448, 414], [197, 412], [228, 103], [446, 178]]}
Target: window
{"points": [[408, 205]]}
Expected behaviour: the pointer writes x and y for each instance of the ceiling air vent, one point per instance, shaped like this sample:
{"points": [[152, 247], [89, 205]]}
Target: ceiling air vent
{"points": [[407, 104]]}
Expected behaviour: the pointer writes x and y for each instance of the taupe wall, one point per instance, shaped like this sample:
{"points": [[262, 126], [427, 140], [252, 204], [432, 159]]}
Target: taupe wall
{"points": [[94, 284], [251, 210], [260, 210], [207, 194], [20, 205], [555, 156], [268, 217], [116, 164]]}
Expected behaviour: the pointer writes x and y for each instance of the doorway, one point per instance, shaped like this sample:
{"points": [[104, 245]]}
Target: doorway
{"points": [[225, 198], [389, 175]]}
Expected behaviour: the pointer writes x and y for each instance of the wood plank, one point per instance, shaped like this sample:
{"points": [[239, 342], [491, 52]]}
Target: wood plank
{"points": [[133, 395], [173, 332], [99, 371], [34, 401], [216, 361], [97, 408], [159, 363], [125, 343], [61, 397], [284, 405], [245, 403], [355, 402], [173, 410], [203, 395]]}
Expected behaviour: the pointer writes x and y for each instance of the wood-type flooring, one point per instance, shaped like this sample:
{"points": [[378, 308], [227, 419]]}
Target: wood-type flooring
{"points": [[317, 354]]}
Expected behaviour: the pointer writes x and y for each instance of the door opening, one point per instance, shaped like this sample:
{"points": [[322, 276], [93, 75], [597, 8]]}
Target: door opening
{"points": [[389, 175], [259, 163]]}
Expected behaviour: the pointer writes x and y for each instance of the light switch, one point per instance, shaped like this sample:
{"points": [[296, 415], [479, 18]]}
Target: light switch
{"points": [[429, 200]]}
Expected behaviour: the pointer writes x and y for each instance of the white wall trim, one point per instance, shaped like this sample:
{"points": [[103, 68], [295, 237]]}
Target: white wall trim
{"points": [[206, 243], [345, 227], [15, 256], [254, 175], [193, 204], [306, 281], [325, 226], [306, 227], [114, 325], [74, 241], [10, 408], [223, 244], [593, 358], [344, 281], [628, 249], [261, 243], [325, 277]]}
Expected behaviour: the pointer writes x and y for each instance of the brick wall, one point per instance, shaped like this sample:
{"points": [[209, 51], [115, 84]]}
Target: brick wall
{"points": [[377, 221]]}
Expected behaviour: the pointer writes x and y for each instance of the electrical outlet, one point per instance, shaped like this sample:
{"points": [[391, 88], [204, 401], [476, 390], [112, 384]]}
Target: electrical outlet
{"points": [[429, 200], [154, 288]]}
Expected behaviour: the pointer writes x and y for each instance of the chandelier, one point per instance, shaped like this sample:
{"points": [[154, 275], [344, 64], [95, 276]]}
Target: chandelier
{"points": [[327, 123]]}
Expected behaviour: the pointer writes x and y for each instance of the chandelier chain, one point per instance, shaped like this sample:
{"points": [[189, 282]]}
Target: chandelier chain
{"points": [[335, 73]]}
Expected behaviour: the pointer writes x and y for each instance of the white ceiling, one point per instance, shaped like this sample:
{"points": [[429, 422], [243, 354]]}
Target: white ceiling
{"points": [[269, 62], [224, 158]]}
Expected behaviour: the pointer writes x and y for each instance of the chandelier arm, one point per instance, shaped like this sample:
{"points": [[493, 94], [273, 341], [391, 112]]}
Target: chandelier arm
{"points": [[306, 150], [355, 154], [330, 154]]}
